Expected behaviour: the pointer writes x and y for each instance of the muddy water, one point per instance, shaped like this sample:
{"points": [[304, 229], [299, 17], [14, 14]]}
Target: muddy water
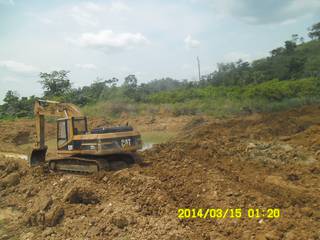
{"points": [[147, 146], [13, 155], [155, 137]]}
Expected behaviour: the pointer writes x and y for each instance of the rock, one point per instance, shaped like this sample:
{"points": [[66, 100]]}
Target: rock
{"points": [[290, 235], [287, 147], [293, 177], [250, 146], [285, 138], [54, 216], [26, 236], [10, 180], [120, 221], [44, 203], [216, 236], [11, 166], [307, 211], [31, 192], [229, 193], [268, 236], [272, 236], [47, 232], [246, 235], [80, 195], [175, 236], [4, 237]]}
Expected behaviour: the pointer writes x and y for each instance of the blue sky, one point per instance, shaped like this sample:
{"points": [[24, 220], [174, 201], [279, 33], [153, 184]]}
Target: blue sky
{"points": [[151, 39]]}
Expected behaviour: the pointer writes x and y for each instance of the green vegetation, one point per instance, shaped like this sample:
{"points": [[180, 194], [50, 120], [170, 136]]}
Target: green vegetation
{"points": [[288, 77], [155, 137], [268, 96], [14, 106]]}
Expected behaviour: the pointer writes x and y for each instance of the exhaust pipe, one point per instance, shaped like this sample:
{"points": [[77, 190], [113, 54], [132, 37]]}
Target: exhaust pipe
{"points": [[37, 156]]}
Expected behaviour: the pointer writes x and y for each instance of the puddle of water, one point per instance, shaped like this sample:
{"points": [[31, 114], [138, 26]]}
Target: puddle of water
{"points": [[146, 146], [14, 155], [155, 137]]}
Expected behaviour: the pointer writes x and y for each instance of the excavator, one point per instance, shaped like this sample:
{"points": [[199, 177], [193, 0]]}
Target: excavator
{"points": [[78, 149]]}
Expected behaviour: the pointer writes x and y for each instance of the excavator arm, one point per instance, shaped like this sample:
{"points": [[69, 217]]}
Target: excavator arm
{"points": [[44, 108]]}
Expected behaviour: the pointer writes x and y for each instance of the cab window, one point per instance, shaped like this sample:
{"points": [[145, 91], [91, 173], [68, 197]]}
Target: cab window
{"points": [[62, 132], [79, 126]]}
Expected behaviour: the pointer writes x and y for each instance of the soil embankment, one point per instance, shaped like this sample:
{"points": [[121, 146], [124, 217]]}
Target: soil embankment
{"points": [[261, 161]]}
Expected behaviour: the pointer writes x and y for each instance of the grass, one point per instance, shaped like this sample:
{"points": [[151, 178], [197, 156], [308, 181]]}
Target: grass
{"points": [[155, 137], [218, 101]]}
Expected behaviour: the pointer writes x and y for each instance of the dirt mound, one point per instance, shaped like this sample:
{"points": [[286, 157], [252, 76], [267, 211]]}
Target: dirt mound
{"points": [[266, 161], [18, 132]]}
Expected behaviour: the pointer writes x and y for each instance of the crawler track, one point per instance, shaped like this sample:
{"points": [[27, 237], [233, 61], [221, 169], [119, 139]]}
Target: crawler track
{"points": [[90, 164]]}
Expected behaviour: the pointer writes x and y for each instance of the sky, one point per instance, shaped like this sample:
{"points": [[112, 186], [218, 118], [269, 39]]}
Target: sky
{"points": [[151, 39]]}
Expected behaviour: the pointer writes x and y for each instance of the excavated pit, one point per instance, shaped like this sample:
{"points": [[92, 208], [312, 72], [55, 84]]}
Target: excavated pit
{"points": [[260, 161]]}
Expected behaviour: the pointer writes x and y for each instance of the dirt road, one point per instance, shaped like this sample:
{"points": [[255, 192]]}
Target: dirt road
{"points": [[261, 161]]}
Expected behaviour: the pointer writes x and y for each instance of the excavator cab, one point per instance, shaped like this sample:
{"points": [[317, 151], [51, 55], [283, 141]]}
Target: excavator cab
{"points": [[68, 127]]}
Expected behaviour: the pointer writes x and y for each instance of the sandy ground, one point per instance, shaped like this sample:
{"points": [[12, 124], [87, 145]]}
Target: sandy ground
{"points": [[260, 161]]}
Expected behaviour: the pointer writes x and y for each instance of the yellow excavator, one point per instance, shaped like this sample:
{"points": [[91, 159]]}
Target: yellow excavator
{"points": [[78, 149]]}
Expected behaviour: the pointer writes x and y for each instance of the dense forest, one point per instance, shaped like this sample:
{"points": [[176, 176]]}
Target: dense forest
{"points": [[290, 76]]}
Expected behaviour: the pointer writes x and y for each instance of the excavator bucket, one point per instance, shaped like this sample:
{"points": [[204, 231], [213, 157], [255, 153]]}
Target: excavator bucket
{"points": [[37, 156]]}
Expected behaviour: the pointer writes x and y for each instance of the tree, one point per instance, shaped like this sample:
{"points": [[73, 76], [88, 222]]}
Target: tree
{"points": [[295, 38], [16, 107], [112, 82], [290, 46], [130, 81], [276, 52], [11, 97], [314, 31], [55, 83], [130, 86]]}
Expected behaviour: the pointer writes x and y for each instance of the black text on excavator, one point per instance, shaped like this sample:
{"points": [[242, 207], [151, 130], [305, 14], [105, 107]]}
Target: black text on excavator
{"points": [[78, 149]]}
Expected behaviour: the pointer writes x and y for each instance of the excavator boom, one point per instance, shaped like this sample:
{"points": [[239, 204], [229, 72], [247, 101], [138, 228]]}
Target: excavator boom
{"points": [[44, 108]]}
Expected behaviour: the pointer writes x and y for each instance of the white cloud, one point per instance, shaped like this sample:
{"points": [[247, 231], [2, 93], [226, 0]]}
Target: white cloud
{"points": [[264, 12], [46, 20], [118, 6], [107, 40], [40, 17], [87, 13], [88, 66], [7, 2], [17, 67], [84, 14], [191, 43]]}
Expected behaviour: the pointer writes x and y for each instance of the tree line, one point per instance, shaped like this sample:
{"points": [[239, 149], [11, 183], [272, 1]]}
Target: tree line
{"points": [[296, 59]]}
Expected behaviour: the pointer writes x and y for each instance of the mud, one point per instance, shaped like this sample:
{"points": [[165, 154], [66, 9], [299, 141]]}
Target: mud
{"points": [[260, 161]]}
